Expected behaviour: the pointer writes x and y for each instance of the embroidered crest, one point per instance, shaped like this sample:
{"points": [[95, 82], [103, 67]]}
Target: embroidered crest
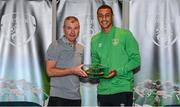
{"points": [[115, 41]]}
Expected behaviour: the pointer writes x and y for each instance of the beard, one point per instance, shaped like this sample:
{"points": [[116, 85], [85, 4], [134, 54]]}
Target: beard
{"points": [[106, 24]]}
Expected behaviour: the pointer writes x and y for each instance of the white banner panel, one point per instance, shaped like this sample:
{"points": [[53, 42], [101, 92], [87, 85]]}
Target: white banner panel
{"points": [[156, 25], [25, 34]]}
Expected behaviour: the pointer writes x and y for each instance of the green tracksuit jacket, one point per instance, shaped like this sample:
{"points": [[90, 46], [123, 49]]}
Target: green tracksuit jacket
{"points": [[117, 50]]}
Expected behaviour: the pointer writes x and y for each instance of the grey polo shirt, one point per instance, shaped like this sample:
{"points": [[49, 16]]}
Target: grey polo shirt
{"points": [[66, 55]]}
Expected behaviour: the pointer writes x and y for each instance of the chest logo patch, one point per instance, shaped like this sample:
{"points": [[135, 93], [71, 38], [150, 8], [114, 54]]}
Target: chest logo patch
{"points": [[100, 45], [115, 41]]}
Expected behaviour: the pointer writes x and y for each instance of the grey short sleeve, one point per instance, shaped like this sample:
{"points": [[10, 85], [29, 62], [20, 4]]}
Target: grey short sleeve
{"points": [[52, 52]]}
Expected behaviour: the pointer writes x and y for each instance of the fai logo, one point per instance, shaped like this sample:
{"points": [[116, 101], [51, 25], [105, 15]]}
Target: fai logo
{"points": [[163, 30], [115, 41], [18, 28]]}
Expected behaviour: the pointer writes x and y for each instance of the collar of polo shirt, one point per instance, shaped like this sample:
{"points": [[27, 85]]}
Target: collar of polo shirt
{"points": [[65, 40]]}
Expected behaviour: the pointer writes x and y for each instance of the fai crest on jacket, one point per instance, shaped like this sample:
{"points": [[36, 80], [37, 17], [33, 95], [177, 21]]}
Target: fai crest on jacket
{"points": [[17, 28]]}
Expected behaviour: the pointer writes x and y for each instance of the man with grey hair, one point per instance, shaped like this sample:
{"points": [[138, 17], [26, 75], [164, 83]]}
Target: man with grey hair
{"points": [[64, 63]]}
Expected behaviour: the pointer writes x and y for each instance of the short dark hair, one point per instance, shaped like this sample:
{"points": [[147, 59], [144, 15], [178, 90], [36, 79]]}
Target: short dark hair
{"points": [[104, 6]]}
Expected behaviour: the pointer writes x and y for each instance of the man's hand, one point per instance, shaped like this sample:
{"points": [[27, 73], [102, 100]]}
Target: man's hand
{"points": [[78, 71], [112, 73]]}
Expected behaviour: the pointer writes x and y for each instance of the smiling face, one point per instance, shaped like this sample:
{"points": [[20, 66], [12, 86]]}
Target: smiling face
{"points": [[71, 28], [105, 17]]}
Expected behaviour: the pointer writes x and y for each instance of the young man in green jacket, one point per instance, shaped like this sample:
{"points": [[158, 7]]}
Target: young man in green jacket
{"points": [[117, 49]]}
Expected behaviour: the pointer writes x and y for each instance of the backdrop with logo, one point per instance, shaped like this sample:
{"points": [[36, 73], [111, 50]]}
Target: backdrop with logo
{"points": [[25, 34], [156, 26]]}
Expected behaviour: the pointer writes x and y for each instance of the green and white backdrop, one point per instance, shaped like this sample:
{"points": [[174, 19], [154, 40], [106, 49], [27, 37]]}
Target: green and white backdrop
{"points": [[29, 26]]}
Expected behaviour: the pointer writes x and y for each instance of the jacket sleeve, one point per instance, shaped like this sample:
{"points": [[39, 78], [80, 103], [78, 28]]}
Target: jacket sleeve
{"points": [[94, 55], [132, 50]]}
